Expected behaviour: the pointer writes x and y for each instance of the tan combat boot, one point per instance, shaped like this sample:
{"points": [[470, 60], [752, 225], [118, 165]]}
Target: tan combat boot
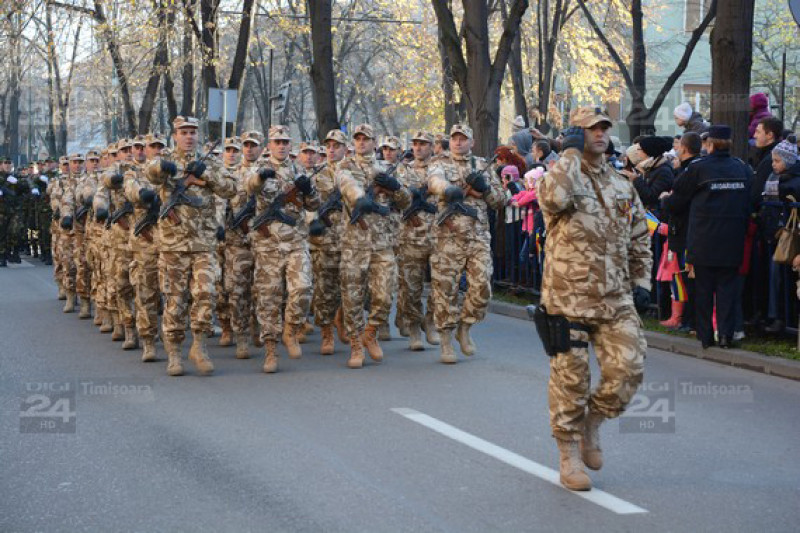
{"points": [[290, 340], [571, 466], [98, 317], [149, 350], [242, 347], [69, 305], [415, 338], [401, 326], [309, 327], [198, 354], [226, 339], [131, 339], [108, 322], [86, 309], [370, 341], [62, 294], [590, 445], [431, 335], [270, 357], [119, 332], [448, 354], [338, 323], [327, 340], [255, 335], [464, 339], [174, 365], [356, 353], [384, 333], [300, 333]]}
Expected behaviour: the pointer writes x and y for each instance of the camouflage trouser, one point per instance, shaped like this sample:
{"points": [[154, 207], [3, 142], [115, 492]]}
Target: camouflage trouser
{"points": [[238, 274], [413, 263], [451, 258], [4, 220], [14, 230], [223, 301], [122, 260], [96, 291], [55, 248], [327, 294], [362, 272], [620, 348], [45, 239], [278, 273], [69, 270], [144, 274], [83, 271], [109, 282], [183, 273]]}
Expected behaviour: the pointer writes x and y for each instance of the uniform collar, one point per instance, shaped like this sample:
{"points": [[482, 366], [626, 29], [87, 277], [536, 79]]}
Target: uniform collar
{"points": [[285, 163], [465, 157], [368, 158]]}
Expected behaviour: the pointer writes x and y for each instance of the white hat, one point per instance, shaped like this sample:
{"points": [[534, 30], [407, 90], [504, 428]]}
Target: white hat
{"points": [[518, 124], [683, 111]]}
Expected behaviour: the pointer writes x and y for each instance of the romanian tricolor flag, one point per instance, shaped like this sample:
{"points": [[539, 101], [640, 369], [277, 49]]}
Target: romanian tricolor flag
{"points": [[652, 223]]}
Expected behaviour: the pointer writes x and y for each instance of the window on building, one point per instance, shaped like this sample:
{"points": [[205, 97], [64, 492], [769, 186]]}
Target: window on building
{"points": [[694, 13], [699, 97]]}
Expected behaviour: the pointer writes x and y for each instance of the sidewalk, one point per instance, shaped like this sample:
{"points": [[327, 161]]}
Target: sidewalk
{"points": [[757, 362]]}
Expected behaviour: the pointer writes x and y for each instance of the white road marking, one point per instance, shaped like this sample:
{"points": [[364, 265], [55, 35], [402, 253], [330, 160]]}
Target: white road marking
{"points": [[599, 497]]}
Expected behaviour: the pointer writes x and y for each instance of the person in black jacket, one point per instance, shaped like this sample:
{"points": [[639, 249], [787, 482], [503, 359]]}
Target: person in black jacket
{"points": [[716, 189], [677, 219], [658, 176], [782, 186]]}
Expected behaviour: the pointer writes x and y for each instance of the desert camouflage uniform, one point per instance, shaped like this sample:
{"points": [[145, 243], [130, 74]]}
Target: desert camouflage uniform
{"points": [[105, 252], [70, 202], [144, 252], [65, 270], [597, 251], [415, 250], [238, 272], [282, 260], [187, 261], [464, 248], [93, 234], [118, 235], [223, 306], [326, 255], [368, 260]]}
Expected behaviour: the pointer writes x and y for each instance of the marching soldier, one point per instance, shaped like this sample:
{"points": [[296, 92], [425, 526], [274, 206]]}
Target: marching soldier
{"points": [[68, 239], [111, 323], [42, 211], [597, 271], [367, 242], [232, 159], [187, 242], [463, 243], [325, 250], [280, 248], [415, 251]]}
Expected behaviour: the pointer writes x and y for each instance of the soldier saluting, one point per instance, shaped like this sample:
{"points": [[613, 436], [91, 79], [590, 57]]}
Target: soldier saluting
{"points": [[596, 276]]}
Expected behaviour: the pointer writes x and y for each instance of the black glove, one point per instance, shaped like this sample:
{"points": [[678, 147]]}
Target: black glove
{"points": [[387, 182], [316, 228], [304, 185], [220, 233], [574, 137], [116, 181], [57, 214], [168, 167], [196, 168], [641, 299], [88, 200], [365, 205], [66, 222], [514, 187], [146, 196], [453, 194], [265, 174], [477, 181], [101, 215]]}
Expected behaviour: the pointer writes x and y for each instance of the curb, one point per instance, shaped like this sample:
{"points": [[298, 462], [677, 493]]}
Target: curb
{"points": [[756, 362]]}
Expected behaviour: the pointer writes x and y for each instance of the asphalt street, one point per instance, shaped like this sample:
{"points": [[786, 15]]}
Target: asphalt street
{"points": [[91, 439]]}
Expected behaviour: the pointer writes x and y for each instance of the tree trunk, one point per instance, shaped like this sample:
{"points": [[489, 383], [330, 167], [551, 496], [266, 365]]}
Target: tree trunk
{"points": [[731, 62], [322, 76], [187, 76], [159, 66]]}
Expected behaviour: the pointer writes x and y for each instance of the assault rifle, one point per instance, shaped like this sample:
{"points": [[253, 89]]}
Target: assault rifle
{"points": [[358, 213], [418, 204], [145, 224], [118, 216], [179, 196]]}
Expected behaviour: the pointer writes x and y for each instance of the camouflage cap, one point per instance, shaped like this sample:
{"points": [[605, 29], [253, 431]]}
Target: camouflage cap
{"points": [[185, 122], [92, 154], [76, 157], [308, 147], [424, 136], [124, 143], [321, 150], [255, 137], [463, 129], [588, 116], [279, 133], [154, 138], [233, 142], [365, 130], [139, 140], [63, 160], [337, 136], [390, 141], [112, 148]]}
